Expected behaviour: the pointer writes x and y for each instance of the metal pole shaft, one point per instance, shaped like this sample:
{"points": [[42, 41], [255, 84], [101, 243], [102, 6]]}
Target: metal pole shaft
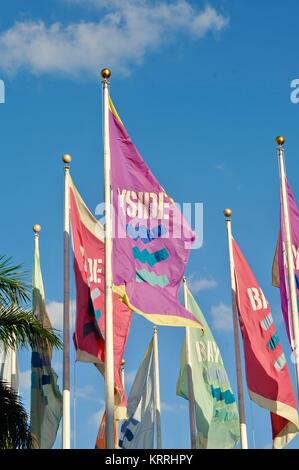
{"points": [[66, 414], [243, 430], [157, 390], [189, 372], [109, 361], [290, 261]]}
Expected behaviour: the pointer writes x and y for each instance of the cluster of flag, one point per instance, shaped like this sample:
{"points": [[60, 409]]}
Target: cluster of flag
{"points": [[150, 251]]}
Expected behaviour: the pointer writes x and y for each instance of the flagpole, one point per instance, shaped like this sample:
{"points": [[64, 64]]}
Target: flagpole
{"points": [[243, 430], [66, 407], [291, 276], [122, 373], [157, 403], [109, 361], [189, 372]]}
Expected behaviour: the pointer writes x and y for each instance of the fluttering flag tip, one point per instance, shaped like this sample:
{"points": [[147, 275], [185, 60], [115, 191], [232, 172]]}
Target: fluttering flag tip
{"points": [[106, 73], [227, 212], [66, 158], [279, 140], [36, 228]]}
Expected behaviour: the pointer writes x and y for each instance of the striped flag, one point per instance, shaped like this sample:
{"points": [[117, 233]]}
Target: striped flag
{"points": [[267, 372], [46, 399]]}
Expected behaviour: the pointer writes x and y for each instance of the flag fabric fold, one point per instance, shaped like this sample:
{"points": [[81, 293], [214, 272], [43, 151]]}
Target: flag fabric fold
{"points": [[216, 411], [280, 276], [89, 337], [137, 432], [152, 239], [46, 398], [267, 372]]}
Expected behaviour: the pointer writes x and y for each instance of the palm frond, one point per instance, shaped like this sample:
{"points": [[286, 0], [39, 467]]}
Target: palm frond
{"points": [[13, 288], [19, 327], [14, 427]]}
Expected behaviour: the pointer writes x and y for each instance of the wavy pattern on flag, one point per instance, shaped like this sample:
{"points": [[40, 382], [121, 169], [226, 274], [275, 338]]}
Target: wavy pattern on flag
{"points": [[143, 275], [151, 259]]}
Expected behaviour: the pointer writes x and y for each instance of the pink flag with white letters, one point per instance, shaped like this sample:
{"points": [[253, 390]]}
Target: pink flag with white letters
{"points": [[267, 374]]}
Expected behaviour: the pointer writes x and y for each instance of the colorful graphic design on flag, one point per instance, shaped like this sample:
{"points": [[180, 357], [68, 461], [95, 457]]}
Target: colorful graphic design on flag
{"points": [[217, 417], [267, 372], [151, 241], [137, 432], [280, 276], [89, 338], [46, 399]]}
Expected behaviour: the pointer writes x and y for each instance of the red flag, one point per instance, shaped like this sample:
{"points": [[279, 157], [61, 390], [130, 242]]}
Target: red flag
{"points": [[267, 372], [89, 337]]}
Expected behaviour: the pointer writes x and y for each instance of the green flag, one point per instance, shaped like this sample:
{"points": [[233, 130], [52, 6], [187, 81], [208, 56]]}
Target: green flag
{"points": [[217, 418], [46, 399]]}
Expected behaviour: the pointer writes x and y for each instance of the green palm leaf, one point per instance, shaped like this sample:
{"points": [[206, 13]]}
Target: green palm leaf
{"points": [[13, 288], [14, 427], [19, 327]]}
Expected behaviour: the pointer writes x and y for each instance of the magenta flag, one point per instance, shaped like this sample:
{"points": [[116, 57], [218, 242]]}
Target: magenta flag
{"points": [[152, 239], [280, 266]]}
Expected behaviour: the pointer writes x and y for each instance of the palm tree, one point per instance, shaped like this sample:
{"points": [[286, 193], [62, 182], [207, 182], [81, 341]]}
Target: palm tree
{"points": [[18, 328]]}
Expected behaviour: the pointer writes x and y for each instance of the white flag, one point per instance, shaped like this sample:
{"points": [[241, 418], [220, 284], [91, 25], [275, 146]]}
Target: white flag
{"points": [[9, 369], [137, 432]]}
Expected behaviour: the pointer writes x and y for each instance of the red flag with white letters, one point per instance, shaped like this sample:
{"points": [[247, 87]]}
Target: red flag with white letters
{"points": [[267, 374], [89, 337]]}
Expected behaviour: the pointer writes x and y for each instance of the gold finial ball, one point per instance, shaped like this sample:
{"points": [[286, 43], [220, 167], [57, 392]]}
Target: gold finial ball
{"points": [[66, 158], [227, 212], [123, 362], [280, 140], [36, 228], [106, 73]]}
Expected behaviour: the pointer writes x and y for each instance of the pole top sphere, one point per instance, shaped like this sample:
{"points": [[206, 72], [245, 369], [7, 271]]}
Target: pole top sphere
{"points": [[280, 140], [36, 228], [227, 212], [66, 158], [106, 73], [123, 362]]}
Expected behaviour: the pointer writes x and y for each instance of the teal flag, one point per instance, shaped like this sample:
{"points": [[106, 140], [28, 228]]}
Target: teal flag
{"points": [[46, 399], [217, 418]]}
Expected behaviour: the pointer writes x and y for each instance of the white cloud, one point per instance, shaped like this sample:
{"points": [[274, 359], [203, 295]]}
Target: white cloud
{"points": [[167, 407], [25, 380], [197, 285], [55, 313], [124, 33], [221, 316]]}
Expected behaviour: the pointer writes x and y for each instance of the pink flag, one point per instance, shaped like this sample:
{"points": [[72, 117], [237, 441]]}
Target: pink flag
{"points": [[267, 372], [151, 237], [89, 337], [280, 265]]}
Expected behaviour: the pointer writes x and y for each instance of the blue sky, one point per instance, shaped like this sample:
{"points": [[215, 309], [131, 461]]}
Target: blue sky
{"points": [[203, 89]]}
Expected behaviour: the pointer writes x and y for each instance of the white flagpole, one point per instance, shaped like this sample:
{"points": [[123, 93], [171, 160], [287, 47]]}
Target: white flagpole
{"points": [[290, 260], [243, 429], [66, 394], [109, 362], [157, 403], [122, 373], [189, 372]]}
